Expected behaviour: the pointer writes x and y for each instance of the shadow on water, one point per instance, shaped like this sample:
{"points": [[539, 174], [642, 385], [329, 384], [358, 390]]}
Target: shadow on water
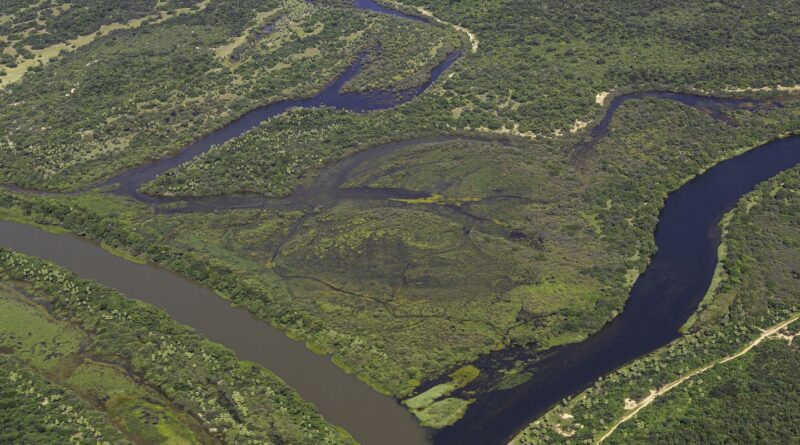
{"points": [[372, 6]]}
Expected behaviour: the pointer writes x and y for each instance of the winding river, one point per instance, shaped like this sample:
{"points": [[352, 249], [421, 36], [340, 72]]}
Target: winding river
{"points": [[662, 299], [370, 417]]}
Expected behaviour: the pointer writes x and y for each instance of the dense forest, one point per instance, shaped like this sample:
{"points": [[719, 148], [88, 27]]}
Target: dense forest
{"points": [[752, 400], [54, 415]]}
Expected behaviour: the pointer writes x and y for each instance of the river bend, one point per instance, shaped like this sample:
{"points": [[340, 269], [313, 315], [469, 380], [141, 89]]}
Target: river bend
{"points": [[662, 298]]}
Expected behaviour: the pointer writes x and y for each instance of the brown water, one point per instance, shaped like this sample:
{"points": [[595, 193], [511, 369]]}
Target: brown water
{"points": [[373, 419], [345, 401]]}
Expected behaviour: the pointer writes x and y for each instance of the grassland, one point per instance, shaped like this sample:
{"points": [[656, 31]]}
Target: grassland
{"points": [[96, 366], [439, 413]]}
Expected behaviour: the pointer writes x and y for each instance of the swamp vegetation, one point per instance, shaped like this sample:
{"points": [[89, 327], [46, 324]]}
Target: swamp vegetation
{"points": [[523, 227], [550, 256]]}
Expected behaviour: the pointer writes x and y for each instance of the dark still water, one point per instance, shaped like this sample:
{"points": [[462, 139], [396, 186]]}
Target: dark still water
{"points": [[373, 419], [128, 182], [661, 301]]}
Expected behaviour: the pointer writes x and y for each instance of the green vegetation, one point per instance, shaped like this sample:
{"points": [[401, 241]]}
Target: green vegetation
{"points": [[442, 412], [36, 33], [539, 69], [286, 151], [541, 64], [534, 242], [537, 255], [38, 25], [33, 410], [180, 76], [143, 92], [439, 413], [758, 389], [101, 366]]}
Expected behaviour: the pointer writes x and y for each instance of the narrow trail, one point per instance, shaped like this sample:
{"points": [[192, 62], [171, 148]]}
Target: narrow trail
{"points": [[655, 394]]}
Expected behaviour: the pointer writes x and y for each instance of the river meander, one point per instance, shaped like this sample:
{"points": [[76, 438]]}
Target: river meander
{"points": [[661, 301]]}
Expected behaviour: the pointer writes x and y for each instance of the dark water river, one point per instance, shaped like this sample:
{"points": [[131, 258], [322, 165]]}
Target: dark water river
{"points": [[128, 182], [662, 298], [661, 301]]}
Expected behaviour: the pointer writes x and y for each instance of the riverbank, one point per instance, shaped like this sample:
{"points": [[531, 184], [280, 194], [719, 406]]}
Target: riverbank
{"points": [[636, 406], [743, 374], [313, 376], [94, 353], [158, 251]]}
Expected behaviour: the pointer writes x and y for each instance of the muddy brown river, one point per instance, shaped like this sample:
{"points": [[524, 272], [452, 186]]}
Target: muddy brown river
{"points": [[662, 299], [343, 400]]}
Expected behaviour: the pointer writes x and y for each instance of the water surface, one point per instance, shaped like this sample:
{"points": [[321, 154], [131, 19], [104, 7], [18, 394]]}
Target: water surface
{"points": [[372, 418], [662, 299], [129, 181]]}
